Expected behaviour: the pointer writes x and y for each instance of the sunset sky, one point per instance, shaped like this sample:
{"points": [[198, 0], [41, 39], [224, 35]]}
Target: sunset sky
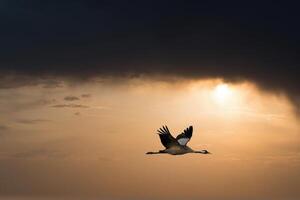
{"points": [[84, 86]]}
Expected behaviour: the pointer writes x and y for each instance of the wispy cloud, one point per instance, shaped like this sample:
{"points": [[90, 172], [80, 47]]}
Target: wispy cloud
{"points": [[102, 107], [31, 121], [3, 130], [86, 95], [52, 84], [27, 104], [70, 106], [3, 127], [39, 153], [71, 98]]}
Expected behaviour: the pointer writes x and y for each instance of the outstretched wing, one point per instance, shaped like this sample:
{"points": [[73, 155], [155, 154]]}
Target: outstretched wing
{"points": [[185, 136], [166, 138]]}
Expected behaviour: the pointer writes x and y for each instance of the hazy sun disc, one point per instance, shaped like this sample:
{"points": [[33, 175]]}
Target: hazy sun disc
{"points": [[222, 93]]}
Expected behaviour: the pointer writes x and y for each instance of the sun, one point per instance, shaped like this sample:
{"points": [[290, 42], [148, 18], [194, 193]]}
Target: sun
{"points": [[222, 93]]}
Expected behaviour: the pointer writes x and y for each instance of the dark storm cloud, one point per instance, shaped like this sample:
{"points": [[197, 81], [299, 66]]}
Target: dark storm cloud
{"points": [[80, 40], [9, 79], [71, 98]]}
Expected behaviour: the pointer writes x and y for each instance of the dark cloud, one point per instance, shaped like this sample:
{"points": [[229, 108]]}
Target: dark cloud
{"points": [[9, 79], [71, 98], [82, 40], [70, 106]]}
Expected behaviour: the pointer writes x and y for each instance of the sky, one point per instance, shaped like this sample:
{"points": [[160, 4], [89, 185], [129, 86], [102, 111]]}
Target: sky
{"points": [[84, 85]]}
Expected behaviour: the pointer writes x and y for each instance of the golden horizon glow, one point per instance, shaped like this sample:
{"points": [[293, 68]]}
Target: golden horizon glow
{"points": [[97, 143]]}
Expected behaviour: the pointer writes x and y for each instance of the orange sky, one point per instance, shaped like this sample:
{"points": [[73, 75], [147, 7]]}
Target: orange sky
{"points": [[92, 144]]}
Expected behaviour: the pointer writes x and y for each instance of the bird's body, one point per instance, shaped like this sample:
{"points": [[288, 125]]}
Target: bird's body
{"points": [[176, 146], [178, 150]]}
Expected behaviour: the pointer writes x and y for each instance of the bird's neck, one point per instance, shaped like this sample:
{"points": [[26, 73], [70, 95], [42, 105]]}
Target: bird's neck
{"points": [[157, 152]]}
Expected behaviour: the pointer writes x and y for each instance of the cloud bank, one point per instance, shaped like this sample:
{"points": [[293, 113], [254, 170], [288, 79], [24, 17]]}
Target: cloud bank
{"points": [[82, 40]]}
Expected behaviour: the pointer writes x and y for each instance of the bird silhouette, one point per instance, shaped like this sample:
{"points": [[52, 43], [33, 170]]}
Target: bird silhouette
{"points": [[176, 146]]}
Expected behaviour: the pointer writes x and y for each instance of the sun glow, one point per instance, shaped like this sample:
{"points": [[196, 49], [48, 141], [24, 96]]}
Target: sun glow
{"points": [[222, 93]]}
